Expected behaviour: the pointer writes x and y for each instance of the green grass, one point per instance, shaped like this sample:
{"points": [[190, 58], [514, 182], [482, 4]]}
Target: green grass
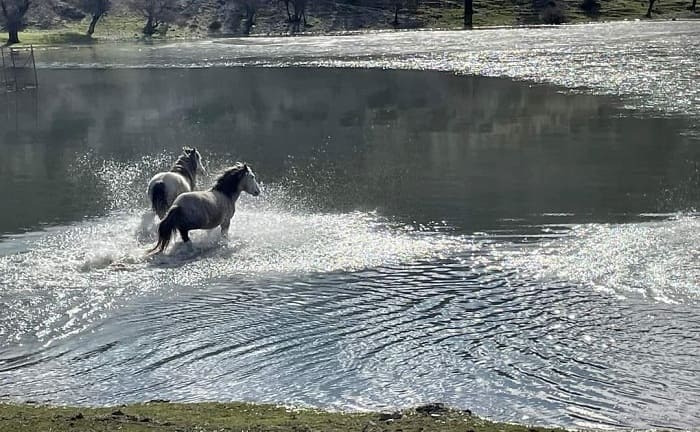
{"points": [[207, 417], [109, 28]]}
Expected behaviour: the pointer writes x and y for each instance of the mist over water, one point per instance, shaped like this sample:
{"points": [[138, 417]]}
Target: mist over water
{"points": [[527, 253], [649, 64]]}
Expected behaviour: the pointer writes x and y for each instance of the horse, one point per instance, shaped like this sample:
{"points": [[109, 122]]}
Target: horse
{"points": [[207, 209], [164, 187]]}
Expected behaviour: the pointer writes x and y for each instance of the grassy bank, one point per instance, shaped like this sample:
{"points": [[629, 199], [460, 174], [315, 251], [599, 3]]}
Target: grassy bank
{"points": [[206, 417], [325, 17]]}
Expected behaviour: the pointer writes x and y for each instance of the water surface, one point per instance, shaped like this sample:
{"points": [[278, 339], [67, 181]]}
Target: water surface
{"points": [[515, 249]]}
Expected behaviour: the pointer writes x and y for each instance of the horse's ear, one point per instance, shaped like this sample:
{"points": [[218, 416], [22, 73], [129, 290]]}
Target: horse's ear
{"points": [[245, 167]]}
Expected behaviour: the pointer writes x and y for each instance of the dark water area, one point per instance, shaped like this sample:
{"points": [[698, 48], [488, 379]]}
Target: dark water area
{"points": [[419, 146], [510, 248]]}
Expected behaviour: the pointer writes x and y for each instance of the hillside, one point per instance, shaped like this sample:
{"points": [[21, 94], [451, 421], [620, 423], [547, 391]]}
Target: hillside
{"points": [[212, 18]]}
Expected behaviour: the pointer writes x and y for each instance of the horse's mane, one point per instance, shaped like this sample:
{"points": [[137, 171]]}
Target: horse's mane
{"points": [[186, 166], [227, 183]]}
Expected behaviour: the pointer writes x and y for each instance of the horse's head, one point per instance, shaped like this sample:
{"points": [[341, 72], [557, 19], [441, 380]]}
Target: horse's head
{"points": [[195, 159], [236, 179], [249, 183]]}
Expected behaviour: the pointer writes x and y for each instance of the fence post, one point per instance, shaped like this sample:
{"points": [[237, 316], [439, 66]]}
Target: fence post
{"points": [[18, 65], [14, 68], [36, 80], [4, 69]]}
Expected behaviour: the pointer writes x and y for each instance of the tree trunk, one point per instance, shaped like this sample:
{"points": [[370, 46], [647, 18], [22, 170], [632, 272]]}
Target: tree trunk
{"points": [[651, 5], [13, 36], [12, 30], [289, 15], [93, 22], [396, 14], [692, 6], [150, 27], [249, 18], [468, 13]]}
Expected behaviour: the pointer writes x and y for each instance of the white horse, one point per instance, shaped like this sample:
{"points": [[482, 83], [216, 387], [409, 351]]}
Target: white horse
{"points": [[207, 209], [164, 187]]}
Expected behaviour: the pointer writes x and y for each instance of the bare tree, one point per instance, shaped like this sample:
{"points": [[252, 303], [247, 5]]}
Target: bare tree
{"points": [[96, 9], [398, 5], [468, 13], [13, 12], [156, 12], [692, 6], [247, 10], [286, 5], [651, 5], [296, 12]]}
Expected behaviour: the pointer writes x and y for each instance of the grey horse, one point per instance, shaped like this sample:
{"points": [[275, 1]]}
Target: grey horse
{"points": [[207, 209], [164, 187]]}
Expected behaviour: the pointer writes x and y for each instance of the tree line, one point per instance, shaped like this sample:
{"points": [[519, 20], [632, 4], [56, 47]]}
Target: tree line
{"points": [[158, 13]]}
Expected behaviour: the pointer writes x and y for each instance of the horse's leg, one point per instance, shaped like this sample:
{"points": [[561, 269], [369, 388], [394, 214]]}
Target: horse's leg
{"points": [[184, 235], [224, 228]]}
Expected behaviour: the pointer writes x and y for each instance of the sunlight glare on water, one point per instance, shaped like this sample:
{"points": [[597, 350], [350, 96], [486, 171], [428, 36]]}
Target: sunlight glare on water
{"points": [[655, 259]]}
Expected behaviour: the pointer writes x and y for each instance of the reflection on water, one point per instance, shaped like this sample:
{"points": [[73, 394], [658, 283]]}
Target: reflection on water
{"points": [[648, 63], [418, 146], [421, 237]]}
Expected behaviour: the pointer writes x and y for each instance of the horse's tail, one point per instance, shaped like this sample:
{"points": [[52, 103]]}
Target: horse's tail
{"points": [[166, 227], [159, 199]]}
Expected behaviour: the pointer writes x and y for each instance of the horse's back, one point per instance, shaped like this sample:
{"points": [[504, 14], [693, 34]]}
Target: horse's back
{"points": [[202, 208], [174, 184]]}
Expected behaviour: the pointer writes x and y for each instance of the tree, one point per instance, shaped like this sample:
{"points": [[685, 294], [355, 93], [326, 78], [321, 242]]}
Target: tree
{"points": [[248, 10], [13, 12], [299, 13], [96, 9], [397, 5], [590, 7], [692, 6], [468, 13], [156, 12], [286, 5], [651, 5]]}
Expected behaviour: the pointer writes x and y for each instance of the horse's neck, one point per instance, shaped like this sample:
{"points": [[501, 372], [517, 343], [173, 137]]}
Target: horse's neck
{"points": [[233, 198]]}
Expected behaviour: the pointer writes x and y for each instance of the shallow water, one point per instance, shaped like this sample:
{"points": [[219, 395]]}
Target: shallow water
{"points": [[517, 250]]}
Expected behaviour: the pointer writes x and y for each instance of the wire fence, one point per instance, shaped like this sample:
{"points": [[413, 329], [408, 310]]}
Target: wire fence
{"points": [[18, 69]]}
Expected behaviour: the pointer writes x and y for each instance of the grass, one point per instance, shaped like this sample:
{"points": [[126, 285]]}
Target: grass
{"points": [[205, 417], [116, 27], [489, 13]]}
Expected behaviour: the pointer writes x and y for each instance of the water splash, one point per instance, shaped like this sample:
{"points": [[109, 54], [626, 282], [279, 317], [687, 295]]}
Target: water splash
{"points": [[73, 274]]}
